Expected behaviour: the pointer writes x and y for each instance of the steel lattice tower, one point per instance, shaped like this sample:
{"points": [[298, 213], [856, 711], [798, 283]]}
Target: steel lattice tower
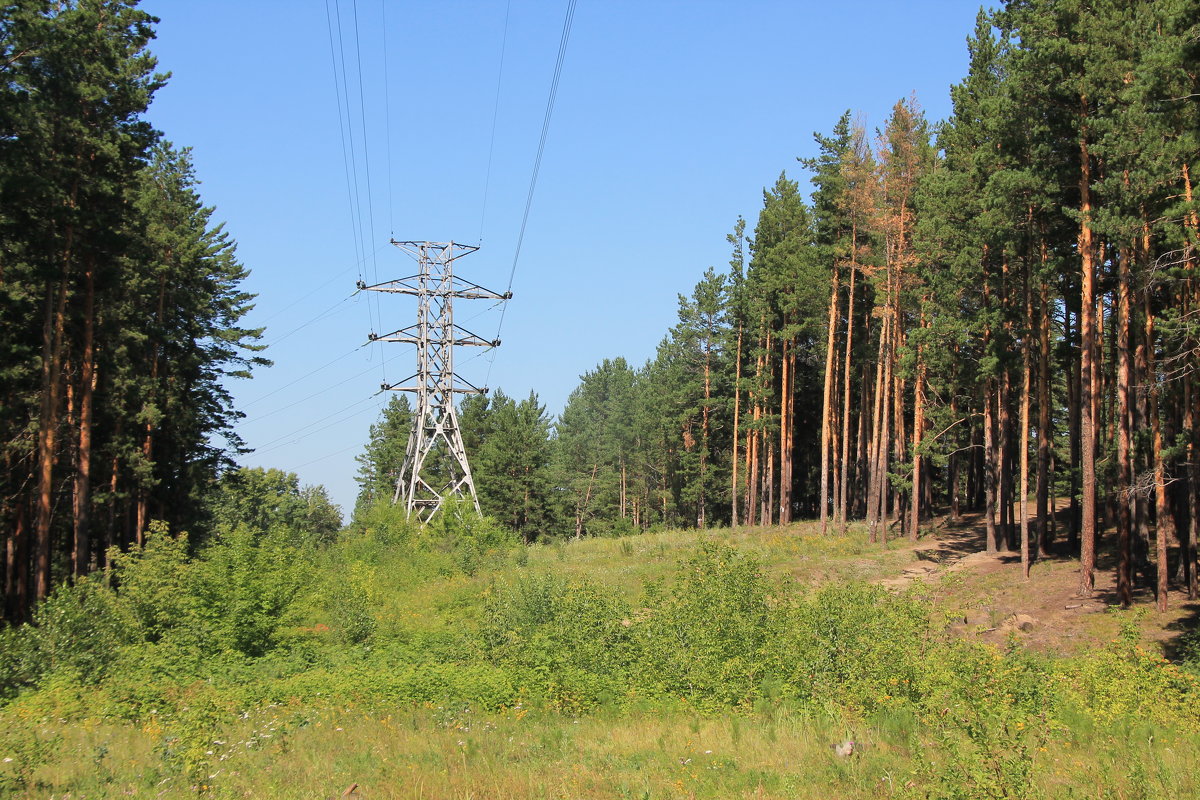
{"points": [[435, 464]]}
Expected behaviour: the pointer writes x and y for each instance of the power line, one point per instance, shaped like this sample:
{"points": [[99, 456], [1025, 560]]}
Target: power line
{"points": [[328, 455], [537, 162], [362, 112], [337, 90], [387, 116], [318, 288], [495, 114], [305, 399], [320, 316], [287, 439]]}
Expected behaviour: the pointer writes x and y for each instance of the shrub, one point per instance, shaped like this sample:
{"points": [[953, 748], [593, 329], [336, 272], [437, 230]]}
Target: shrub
{"points": [[568, 640], [851, 643], [703, 638]]}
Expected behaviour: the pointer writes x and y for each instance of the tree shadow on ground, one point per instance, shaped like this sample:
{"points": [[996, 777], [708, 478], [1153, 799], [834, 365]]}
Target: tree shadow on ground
{"points": [[950, 541]]}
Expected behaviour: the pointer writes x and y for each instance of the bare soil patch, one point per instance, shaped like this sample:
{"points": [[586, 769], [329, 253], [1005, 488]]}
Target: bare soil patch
{"points": [[984, 595]]}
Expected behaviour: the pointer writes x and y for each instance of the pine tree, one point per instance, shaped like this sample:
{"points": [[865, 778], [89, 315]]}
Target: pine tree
{"points": [[380, 462]]}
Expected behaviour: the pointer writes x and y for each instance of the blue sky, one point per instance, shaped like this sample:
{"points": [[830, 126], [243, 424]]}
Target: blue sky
{"points": [[671, 117]]}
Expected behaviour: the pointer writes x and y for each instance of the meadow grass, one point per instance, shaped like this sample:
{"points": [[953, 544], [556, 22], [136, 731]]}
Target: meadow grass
{"points": [[723, 664]]}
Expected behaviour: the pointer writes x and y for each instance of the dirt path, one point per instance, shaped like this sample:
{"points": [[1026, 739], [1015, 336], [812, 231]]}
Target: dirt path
{"points": [[984, 595]]}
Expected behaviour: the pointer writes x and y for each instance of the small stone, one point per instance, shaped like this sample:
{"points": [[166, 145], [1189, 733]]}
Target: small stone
{"points": [[1019, 622]]}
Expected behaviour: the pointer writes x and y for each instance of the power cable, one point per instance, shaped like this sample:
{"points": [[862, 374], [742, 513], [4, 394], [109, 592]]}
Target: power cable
{"points": [[487, 181], [287, 439], [387, 117], [537, 162], [337, 89], [305, 399], [362, 112], [319, 287], [322, 315], [329, 455]]}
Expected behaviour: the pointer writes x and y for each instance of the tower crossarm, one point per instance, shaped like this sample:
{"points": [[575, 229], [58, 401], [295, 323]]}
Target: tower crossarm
{"points": [[459, 289], [396, 387]]}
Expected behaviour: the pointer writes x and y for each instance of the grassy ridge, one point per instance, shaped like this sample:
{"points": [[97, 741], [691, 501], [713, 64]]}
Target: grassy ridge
{"points": [[453, 662]]}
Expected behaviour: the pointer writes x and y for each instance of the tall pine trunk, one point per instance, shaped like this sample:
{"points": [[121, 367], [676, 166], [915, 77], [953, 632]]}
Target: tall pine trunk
{"points": [[990, 466], [87, 388], [1087, 373], [785, 434], [827, 400], [885, 435], [1045, 434], [917, 433], [873, 480], [844, 490], [1124, 438], [1023, 435], [737, 407], [52, 368]]}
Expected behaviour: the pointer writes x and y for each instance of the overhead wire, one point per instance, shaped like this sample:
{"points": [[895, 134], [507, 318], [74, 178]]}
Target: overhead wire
{"points": [[362, 111], [304, 377], [320, 316], [357, 203], [537, 163], [318, 288], [306, 398], [292, 437], [487, 181], [350, 157], [346, 163], [387, 117], [354, 194]]}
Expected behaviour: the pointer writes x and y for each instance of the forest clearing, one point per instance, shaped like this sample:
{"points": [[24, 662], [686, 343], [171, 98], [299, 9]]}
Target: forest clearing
{"points": [[903, 502]]}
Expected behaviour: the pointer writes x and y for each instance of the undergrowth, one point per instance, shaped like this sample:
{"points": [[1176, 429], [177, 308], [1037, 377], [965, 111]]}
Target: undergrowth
{"points": [[193, 671]]}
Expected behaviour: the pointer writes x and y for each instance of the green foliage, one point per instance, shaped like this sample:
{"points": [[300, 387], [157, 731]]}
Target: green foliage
{"points": [[1129, 680], [703, 638], [245, 583], [989, 714], [569, 641], [265, 500], [80, 631], [381, 460]]}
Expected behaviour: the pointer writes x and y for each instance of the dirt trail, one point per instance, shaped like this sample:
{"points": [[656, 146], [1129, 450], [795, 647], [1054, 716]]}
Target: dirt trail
{"points": [[985, 596]]}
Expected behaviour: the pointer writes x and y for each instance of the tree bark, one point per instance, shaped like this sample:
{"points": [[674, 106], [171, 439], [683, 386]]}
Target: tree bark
{"points": [[873, 481], [52, 362], [737, 407], [1023, 435], [87, 388], [1087, 373], [827, 400], [885, 435], [844, 490], [1124, 442], [1164, 517], [917, 433], [990, 466], [1045, 434], [785, 434]]}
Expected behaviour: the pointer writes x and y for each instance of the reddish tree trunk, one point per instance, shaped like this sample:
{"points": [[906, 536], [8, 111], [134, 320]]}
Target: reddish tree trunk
{"points": [[1087, 375]]}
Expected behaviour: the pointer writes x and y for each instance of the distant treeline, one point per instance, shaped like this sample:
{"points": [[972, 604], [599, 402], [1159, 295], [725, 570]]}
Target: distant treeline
{"points": [[988, 315]]}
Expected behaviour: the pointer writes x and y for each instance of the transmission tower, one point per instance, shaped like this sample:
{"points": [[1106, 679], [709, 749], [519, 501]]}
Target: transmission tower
{"points": [[435, 464]]}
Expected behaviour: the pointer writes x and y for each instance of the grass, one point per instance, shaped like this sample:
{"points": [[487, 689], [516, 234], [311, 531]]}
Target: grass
{"points": [[332, 727], [429, 753]]}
